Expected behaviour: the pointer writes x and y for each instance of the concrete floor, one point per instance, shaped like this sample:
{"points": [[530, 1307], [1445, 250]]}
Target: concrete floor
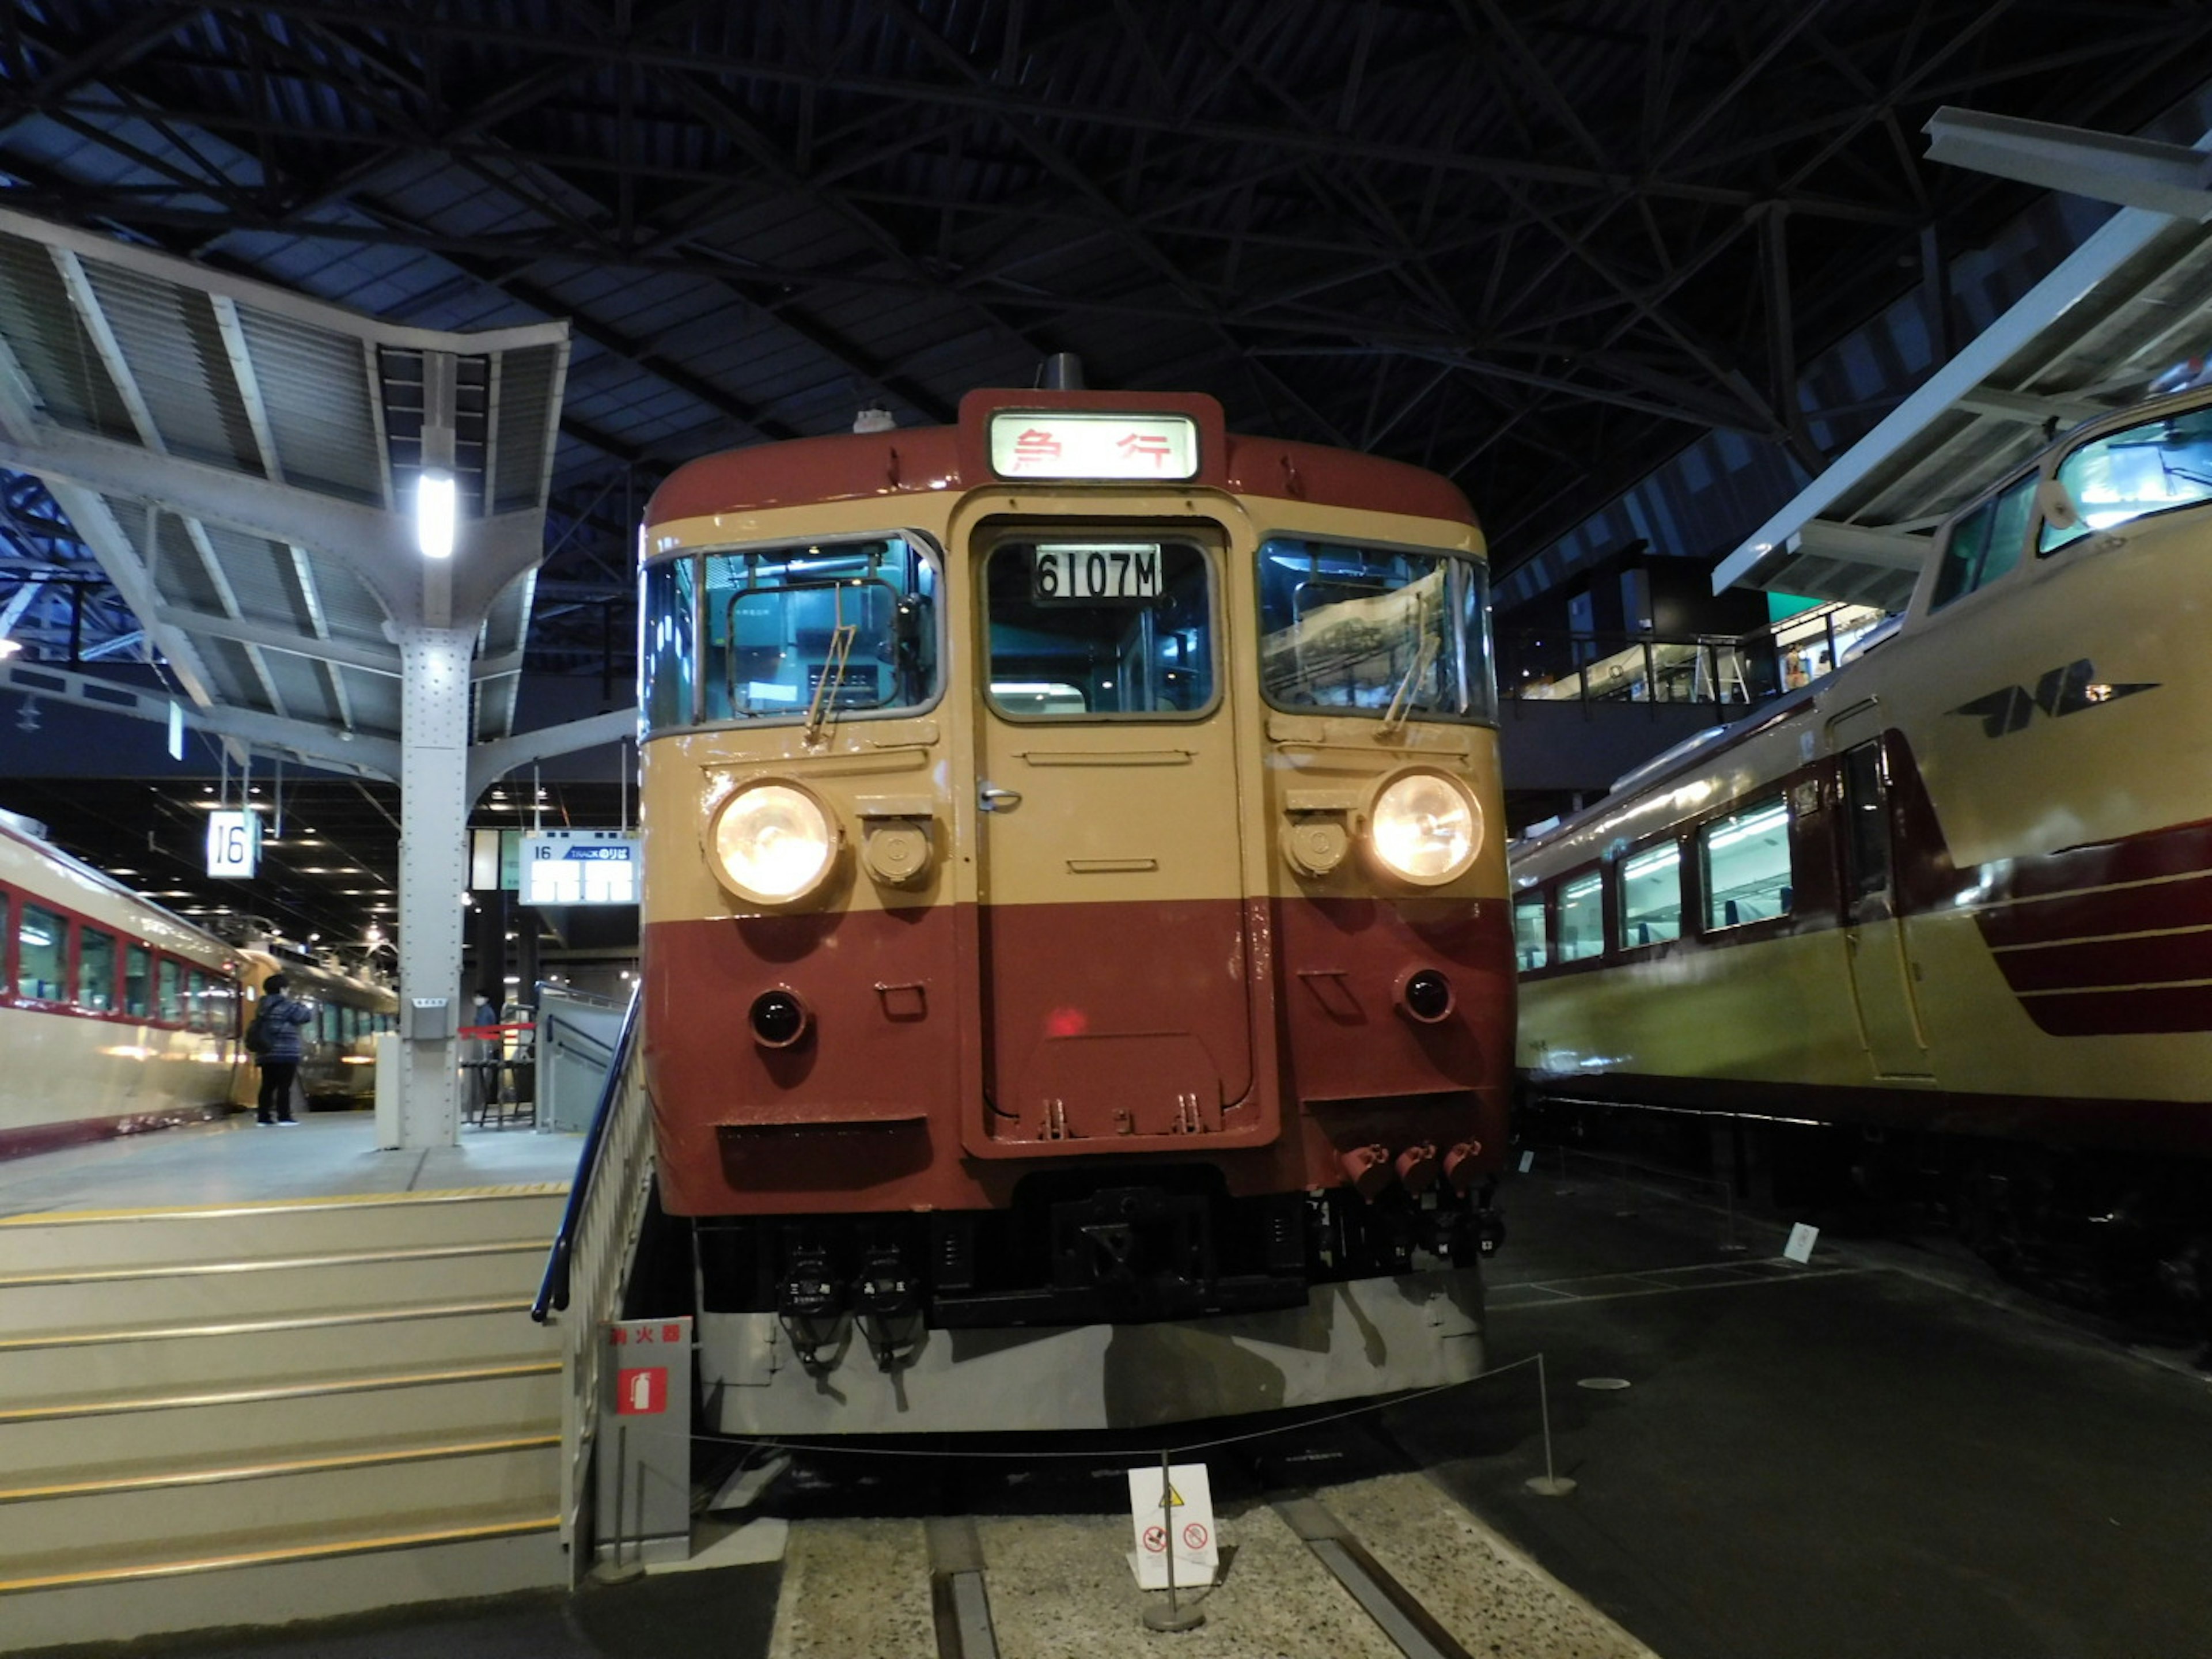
{"points": [[236, 1161], [1874, 1454]]}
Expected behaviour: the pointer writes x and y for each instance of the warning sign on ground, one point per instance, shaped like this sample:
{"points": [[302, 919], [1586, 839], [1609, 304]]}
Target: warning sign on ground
{"points": [[1183, 1512]]}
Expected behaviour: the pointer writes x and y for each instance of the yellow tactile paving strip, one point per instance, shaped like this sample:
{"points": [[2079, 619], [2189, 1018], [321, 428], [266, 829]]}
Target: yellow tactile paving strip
{"points": [[452, 1194]]}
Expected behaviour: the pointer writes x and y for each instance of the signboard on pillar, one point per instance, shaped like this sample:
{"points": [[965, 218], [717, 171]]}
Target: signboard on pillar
{"points": [[234, 843], [643, 1454]]}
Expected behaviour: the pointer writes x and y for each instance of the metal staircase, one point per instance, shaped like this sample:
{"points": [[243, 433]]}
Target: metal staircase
{"points": [[263, 1413]]}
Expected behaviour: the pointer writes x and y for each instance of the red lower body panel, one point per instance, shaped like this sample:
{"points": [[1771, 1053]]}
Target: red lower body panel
{"points": [[1269, 1040]]}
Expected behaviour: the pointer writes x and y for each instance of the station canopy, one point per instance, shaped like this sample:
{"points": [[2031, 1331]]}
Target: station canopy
{"points": [[241, 459], [2124, 310]]}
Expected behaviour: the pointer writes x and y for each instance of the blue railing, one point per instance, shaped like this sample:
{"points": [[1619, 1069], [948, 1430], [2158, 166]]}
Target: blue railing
{"points": [[553, 1289]]}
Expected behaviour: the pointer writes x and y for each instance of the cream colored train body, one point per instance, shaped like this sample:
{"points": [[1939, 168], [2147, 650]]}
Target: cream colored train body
{"points": [[1963, 885], [116, 1016]]}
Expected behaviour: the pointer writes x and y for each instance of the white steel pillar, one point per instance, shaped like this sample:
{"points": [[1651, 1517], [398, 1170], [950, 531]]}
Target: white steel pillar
{"points": [[434, 811]]}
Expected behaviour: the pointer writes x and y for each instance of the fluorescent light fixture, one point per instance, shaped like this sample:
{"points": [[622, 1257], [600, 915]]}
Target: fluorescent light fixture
{"points": [[434, 511]]}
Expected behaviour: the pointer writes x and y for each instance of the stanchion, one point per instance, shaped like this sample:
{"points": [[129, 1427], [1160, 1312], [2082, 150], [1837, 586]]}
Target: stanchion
{"points": [[616, 1571], [1548, 1484], [1174, 1616]]}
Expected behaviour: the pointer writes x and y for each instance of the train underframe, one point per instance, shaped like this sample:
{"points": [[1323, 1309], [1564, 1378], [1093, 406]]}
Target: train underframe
{"points": [[1094, 1301], [2123, 1234]]}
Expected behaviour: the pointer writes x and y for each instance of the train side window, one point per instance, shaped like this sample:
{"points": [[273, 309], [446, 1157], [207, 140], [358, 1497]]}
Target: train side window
{"points": [[1530, 943], [1867, 841], [95, 969], [1745, 860], [1582, 918], [2152, 468], [197, 1014], [42, 953], [1651, 896], [1358, 629], [1128, 626], [850, 627], [1985, 544], [169, 981], [669, 622], [137, 981]]}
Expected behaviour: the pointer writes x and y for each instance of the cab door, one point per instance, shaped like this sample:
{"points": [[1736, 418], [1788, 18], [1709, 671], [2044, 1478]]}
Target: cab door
{"points": [[1113, 946], [1877, 943]]}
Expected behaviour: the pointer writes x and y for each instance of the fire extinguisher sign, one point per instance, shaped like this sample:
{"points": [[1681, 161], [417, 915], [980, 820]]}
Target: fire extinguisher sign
{"points": [[644, 1443], [641, 1392]]}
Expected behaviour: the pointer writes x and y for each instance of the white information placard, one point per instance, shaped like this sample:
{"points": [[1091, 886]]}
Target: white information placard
{"points": [[1092, 444], [1801, 1240], [579, 867], [1183, 1519], [234, 843]]}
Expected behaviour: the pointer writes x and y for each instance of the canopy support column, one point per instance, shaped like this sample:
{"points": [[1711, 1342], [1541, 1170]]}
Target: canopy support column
{"points": [[434, 811]]}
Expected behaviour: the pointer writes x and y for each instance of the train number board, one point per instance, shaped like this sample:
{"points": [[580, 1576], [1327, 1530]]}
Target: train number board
{"points": [[1086, 443], [1095, 572]]}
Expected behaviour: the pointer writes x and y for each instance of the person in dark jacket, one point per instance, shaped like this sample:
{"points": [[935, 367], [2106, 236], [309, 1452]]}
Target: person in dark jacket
{"points": [[280, 1019]]}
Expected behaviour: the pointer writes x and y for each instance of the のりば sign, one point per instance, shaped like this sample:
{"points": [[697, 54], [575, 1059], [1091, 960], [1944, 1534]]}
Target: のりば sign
{"points": [[1084, 444]]}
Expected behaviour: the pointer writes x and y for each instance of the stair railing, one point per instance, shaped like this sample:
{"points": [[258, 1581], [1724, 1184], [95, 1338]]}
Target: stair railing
{"points": [[590, 1261]]}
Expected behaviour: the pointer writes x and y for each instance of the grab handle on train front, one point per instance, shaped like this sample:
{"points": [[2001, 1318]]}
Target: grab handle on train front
{"points": [[992, 798]]}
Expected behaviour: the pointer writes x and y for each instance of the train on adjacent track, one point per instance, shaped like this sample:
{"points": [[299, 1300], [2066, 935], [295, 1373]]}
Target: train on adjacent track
{"points": [[1077, 980], [1945, 914], [117, 1016]]}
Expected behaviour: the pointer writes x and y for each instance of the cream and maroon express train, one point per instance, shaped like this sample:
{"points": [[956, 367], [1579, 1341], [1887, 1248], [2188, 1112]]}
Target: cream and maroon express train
{"points": [[117, 1016], [1952, 901]]}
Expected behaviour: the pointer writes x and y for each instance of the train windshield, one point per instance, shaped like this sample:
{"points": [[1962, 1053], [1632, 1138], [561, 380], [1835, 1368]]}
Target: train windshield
{"points": [[2125, 474], [1092, 627], [844, 628], [1370, 630]]}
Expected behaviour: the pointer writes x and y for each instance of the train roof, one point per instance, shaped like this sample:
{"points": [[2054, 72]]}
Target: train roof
{"points": [[920, 460], [29, 834]]}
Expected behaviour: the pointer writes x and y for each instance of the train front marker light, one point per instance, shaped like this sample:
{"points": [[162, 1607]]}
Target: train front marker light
{"points": [[778, 1018], [1425, 995], [773, 843], [1425, 827]]}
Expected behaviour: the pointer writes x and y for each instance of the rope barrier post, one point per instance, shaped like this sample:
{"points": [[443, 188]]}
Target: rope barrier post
{"points": [[617, 1571], [1174, 1616], [1548, 1484]]}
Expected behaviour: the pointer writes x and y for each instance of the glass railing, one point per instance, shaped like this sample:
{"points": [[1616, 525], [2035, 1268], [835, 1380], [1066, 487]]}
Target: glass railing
{"points": [[1719, 671]]}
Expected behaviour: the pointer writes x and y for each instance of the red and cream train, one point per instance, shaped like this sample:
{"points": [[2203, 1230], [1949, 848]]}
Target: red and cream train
{"points": [[117, 1016], [1078, 982], [1955, 900]]}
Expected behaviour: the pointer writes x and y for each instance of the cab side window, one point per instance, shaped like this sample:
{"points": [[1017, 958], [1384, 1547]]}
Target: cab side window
{"points": [[1985, 544]]}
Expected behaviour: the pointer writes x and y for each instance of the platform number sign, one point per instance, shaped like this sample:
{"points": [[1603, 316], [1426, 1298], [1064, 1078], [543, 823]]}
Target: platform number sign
{"points": [[234, 843], [1095, 573]]}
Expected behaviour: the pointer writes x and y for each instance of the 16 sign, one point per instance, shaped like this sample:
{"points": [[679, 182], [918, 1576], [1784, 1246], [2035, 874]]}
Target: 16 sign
{"points": [[234, 843]]}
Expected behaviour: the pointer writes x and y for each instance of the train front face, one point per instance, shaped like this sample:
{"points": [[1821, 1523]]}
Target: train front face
{"points": [[1077, 982]]}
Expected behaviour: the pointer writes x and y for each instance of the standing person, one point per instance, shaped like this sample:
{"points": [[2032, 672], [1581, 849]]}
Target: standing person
{"points": [[274, 1040]]}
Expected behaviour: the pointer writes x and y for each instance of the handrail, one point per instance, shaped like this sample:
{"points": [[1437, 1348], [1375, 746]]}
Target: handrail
{"points": [[553, 1289]]}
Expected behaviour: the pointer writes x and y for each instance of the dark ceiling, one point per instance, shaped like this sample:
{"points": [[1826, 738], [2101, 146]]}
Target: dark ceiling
{"points": [[1539, 244]]}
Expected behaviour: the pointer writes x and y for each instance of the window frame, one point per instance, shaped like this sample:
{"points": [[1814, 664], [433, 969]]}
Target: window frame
{"points": [[1744, 806], [1555, 911], [64, 995], [1616, 910], [1480, 566], [2081, 533], [1991, 502], [701, 552], [1205, 539], [1541, 897]]}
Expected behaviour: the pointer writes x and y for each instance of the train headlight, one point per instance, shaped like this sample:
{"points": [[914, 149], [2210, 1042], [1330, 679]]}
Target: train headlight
{"points": [[1426, 828], [773, 843]]}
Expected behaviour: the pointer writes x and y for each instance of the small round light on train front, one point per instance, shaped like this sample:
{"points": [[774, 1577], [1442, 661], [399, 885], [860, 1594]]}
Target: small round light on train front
{"points": [[773, 843], [1426, 828], [1426, 995], [778, 1017]]}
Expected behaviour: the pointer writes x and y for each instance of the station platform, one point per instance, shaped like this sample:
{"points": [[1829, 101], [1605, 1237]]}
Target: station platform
{"points": [[1881, 1451], [236, 1161]]}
